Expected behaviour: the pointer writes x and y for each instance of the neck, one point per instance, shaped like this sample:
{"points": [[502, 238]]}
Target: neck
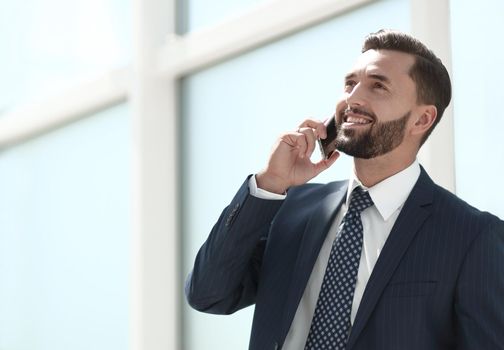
{"points": [[372, 171]]}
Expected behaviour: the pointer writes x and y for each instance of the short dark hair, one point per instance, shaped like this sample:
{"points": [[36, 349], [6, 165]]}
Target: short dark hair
{"points": [[431, 77]]}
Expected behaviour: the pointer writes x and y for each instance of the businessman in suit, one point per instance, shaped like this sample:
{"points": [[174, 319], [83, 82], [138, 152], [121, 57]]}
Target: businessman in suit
{"points": [[384, 260]]}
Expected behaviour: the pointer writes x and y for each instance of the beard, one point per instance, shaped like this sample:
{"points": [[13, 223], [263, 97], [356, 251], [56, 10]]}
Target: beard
{"points": [[379, 139]]}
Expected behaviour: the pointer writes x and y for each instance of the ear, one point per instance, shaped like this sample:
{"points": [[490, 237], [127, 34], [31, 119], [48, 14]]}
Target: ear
{"points": [[426, 117]]}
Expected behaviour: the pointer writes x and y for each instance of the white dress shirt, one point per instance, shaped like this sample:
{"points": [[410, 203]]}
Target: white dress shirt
{"points": [[377, 221]]}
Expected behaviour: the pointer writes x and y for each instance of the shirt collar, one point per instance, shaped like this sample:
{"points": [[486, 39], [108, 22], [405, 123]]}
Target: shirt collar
{"points": [[391, 193]]}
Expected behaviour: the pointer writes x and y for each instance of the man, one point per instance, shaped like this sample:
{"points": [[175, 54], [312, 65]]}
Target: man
{"points": [[386, 260]]}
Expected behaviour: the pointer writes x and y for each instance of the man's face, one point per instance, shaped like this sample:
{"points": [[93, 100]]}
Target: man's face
{"points": [[378, 101]]}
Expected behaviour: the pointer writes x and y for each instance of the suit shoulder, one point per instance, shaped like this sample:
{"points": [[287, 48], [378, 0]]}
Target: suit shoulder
{"points": [[315, 190], [450, 204]]}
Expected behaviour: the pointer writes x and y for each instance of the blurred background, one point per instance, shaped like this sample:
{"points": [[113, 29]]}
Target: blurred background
{"points": [[127, 126]]}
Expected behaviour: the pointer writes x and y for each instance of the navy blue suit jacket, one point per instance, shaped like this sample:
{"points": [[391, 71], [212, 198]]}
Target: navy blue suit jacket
{"points": [[438, 282]]}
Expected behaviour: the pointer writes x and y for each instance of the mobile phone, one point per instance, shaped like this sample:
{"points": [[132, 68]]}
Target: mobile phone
{"points": [[328, 145]]}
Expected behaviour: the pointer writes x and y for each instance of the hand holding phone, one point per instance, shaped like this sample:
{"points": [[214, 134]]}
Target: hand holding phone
{"points": [[328, 146]]}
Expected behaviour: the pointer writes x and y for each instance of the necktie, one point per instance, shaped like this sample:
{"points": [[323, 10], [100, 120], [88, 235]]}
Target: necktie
{"points": [[330, 326]]}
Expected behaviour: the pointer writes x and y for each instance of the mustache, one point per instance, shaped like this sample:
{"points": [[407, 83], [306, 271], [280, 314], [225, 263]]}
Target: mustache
{"points": [[355, 110]]}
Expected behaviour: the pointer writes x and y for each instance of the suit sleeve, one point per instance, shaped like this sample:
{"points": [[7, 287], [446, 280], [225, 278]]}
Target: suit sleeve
{"points": [[479, 302], [226, 270]]}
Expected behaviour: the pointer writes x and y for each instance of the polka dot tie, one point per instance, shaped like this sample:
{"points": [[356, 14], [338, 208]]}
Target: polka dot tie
{"points": [[330, 326]]}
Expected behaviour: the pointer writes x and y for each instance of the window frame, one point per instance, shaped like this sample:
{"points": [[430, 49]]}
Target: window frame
{"points": [[151, 85]]}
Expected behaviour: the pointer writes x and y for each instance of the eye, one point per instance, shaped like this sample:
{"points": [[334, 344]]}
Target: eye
{"points": [[379, 85], [349, 84]]}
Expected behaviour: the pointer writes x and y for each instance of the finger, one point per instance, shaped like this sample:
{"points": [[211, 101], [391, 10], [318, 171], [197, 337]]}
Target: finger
{"points": [[327, 123], [301, 144], [310, 139], [317, 125], [326, 163], [296, 142]]}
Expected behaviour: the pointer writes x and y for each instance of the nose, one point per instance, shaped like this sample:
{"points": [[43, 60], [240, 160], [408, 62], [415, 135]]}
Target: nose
{"points": [[356, 97]]}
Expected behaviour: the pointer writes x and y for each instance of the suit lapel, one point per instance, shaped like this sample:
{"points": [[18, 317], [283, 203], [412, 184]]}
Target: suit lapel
{"points": [[415, 211], [313, 237]]}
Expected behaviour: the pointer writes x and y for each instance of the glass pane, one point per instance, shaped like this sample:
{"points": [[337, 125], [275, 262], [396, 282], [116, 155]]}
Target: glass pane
{"points": [[203, 13], [46, 45], [233, 113], [477, 76], [64, 237]]}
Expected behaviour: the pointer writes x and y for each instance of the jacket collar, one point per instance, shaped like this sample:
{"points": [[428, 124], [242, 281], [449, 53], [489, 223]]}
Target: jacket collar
{"points": [[415, 211]]}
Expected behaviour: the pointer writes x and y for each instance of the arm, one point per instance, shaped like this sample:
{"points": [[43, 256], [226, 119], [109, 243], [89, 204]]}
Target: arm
{"points": [[225, 274], [479, 303], [226, 270]]}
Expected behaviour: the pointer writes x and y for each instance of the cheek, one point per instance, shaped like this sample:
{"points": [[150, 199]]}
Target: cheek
{"points": [[406, 102], [391, 110], [341, 104]]}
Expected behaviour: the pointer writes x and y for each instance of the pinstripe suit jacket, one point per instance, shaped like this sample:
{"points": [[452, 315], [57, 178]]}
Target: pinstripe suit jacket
{"points": [[438, 283]]}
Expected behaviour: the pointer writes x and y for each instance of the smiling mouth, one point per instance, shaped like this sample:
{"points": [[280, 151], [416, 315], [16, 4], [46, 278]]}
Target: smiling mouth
{"points": [[355, 117], [353, 120]]}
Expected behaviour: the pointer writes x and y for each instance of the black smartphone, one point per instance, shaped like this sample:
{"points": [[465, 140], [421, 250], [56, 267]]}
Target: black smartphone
{"points": [[328, 146]]}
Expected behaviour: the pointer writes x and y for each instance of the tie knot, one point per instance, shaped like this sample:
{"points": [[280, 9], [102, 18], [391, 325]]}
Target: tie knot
{"points": [[360, 200]]}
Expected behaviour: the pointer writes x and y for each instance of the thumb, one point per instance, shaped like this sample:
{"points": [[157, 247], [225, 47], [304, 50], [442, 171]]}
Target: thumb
{"points": [[324, 164]]}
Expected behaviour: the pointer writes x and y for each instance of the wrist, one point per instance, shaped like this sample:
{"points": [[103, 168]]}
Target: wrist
{"points": [[270, 183]]}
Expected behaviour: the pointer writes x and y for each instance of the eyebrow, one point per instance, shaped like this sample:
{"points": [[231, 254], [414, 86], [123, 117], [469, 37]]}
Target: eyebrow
{"points": [[380, 77], [350, 76], [376, 76]]}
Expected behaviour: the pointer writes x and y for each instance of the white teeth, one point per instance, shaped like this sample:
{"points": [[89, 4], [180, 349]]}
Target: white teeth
{"points": [[357, 120]]}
